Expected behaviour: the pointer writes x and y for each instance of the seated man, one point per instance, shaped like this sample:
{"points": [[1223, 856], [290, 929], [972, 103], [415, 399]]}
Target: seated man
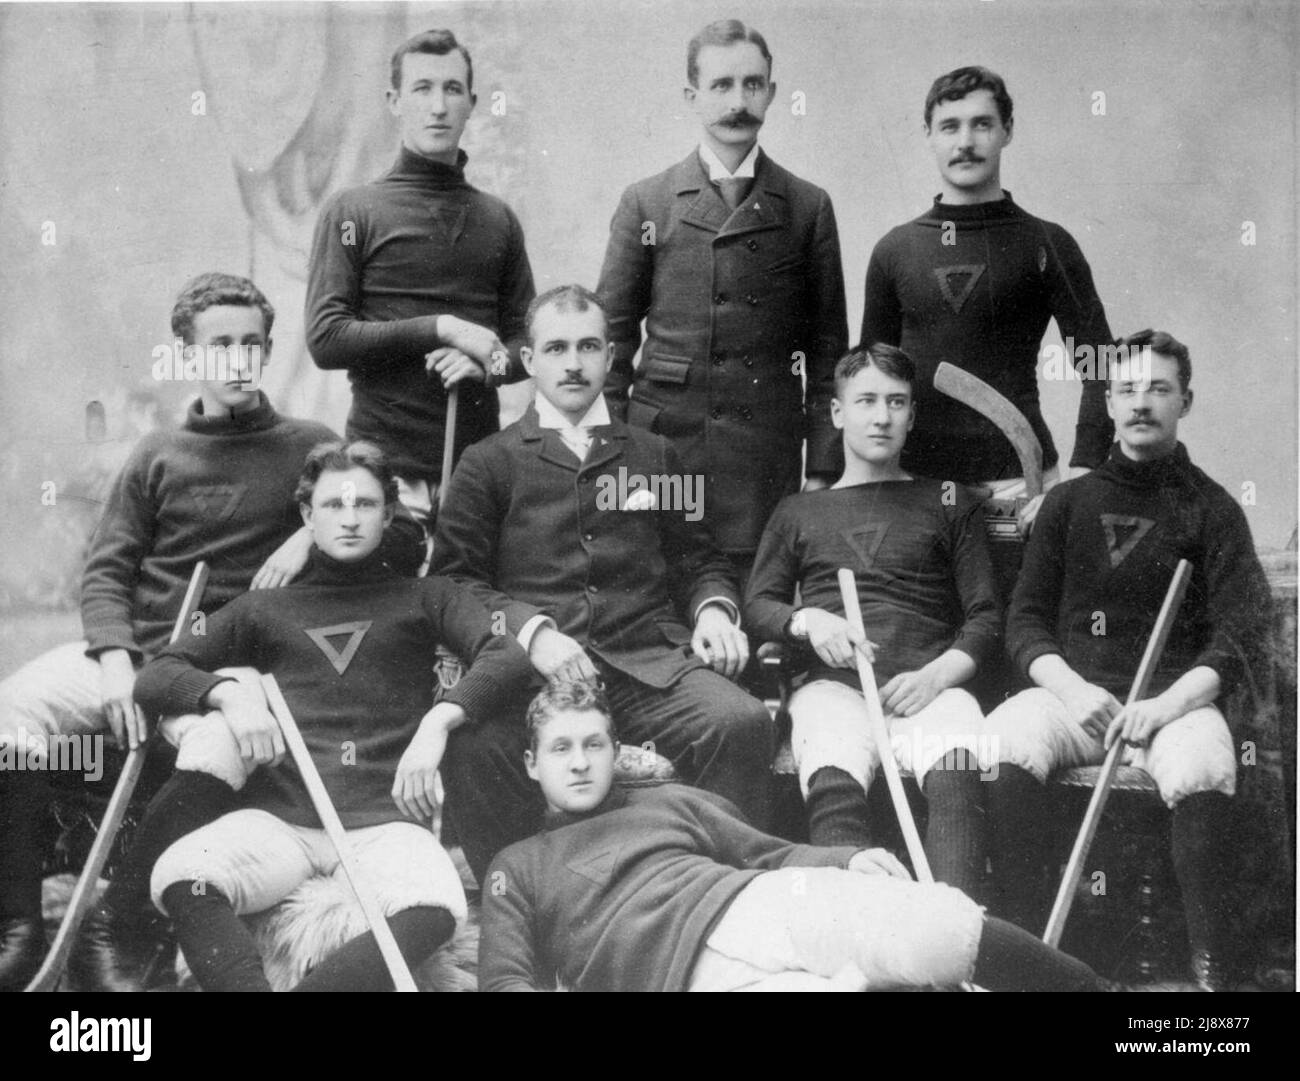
{"points": [[668, 889], [925, 585], [561, 526], [220, 488], [1096, 571], [352, 647]]}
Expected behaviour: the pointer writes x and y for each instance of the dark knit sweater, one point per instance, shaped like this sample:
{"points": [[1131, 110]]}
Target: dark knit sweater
{"points": [[1105, 547], [623, 899], [356, 722], [920, 296], [219, 489], [387, 259], [918, 548]]}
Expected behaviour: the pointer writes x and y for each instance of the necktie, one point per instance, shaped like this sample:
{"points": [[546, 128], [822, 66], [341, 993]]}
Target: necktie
{"points": [[734, 189]]}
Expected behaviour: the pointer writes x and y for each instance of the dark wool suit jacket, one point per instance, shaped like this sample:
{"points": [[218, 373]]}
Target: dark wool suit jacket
{"points": [[738, 307], [531, 531]]}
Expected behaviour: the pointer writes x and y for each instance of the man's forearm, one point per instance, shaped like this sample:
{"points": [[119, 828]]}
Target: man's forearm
{"points": [[1052, 674]]}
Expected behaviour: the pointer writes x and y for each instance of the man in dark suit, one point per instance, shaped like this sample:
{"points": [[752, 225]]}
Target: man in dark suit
{"points": [[584, 538], [734, 264]]}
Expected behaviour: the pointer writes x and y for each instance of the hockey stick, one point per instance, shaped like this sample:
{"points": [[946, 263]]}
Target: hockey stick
{"points": [[1088, 830], [83, 894], [880, 733], [393, 959], [976, 394], [448, 442]]}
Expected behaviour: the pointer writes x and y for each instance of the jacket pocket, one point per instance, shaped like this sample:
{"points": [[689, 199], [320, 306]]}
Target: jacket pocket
{"points": [[665, 369]]}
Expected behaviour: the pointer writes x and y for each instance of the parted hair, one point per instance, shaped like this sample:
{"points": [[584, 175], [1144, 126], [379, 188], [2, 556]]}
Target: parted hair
{"points": [[212, 290], [556, 698], [723, 32], [436, 43], [962, 81], [340, 457], [888, 358], [566, 298], [1164, 343]]}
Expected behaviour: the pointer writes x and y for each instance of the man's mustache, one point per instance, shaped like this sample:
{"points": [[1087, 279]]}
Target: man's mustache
{"points": [[739, 120], [575, 381], [966, 156]]}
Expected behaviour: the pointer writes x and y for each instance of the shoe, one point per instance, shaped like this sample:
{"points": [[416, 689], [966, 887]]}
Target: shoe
{"points": [[22, 949], [110, 955], [1210, 972]]}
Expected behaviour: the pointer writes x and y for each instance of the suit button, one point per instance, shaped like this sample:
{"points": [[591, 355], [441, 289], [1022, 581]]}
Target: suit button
{"points": [[752, 245], [721, 298], [746, 413], [749, 362], [592, 589], [716, 412], [717, 360], [587, 537], [751, 299]]}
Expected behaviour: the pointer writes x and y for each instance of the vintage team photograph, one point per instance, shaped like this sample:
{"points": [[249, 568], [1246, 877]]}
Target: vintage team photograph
{"points": [[613, 495]]}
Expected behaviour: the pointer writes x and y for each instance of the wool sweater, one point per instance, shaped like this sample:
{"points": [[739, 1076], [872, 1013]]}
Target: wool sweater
{"points": [[1101, 557], [352, 646], [976, 286], [218, 489], [624, 898], [918, 549], [387, 259]]}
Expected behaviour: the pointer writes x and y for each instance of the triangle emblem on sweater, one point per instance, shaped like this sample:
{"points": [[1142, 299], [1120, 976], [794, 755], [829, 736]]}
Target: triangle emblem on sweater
{"points": [[339, 659], [217, 502], [1124, 532], [597, 867], [949, 276]]}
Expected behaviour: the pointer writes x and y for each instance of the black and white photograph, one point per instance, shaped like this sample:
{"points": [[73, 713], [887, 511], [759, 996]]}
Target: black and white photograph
{"points": [[649, 495]]}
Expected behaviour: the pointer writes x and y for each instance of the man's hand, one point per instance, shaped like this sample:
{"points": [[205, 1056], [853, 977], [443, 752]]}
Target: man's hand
{"points": [[910, 692], [476, 342], [559, 658], [718, 642], [834, 639], [453, 366], [877, 861], [1091, 707], [284, 564], [1136, 724], [116, 684], [413, 786], [254, 727]]}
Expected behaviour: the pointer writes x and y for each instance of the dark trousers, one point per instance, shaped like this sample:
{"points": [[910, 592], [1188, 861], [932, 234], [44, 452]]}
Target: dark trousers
{"points": [[717, 737]]}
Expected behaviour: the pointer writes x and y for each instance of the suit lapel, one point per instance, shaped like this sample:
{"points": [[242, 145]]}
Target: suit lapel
{"points": [[606, 443], [764, 208]]}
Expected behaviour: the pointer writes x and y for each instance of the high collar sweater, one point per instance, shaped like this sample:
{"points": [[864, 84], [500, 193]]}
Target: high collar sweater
{"points": [[623, 898], [387, 259], [976, 286], [1100, 560]]}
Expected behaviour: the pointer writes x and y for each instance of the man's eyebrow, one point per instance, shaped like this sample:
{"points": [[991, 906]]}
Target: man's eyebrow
{"points": [[554, 341]]}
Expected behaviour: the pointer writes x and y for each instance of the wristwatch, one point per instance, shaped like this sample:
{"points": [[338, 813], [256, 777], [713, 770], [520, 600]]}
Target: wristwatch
{"points": [[799, 626]]}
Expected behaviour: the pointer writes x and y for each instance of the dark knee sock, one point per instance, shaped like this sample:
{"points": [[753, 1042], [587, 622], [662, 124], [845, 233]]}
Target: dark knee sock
{"points": [[955, 836], [1017, 809], [219, 948], [358, 965], [190, 799], [24, 797], [1011, 959], [1202, 854], [837, 809]]}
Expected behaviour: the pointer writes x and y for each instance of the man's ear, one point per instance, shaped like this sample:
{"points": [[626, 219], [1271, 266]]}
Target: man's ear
{"points": [[392, 97], [911, 415], [1110, 404], [1187, 402], [1009, 126], [689, 93], [837, 413], [305, 510], [530, 763], [390, 512], [609, 357], [266, 352], [771, 94], [526, 358]]}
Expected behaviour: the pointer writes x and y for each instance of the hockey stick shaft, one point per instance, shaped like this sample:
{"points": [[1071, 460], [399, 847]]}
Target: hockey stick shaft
{"points": [[1101, 791], [83, 894], [448, 442], [388, 949]]}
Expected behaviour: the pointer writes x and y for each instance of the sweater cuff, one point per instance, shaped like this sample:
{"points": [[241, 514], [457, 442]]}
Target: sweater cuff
{"points": [[189, 690], [1026, 655], [110, 636], [477, 696]]}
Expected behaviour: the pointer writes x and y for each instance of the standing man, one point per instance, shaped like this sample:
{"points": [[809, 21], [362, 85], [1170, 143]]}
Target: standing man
{"points": [[974, 281], [418, 278], [734, 264], [1096, 571]]}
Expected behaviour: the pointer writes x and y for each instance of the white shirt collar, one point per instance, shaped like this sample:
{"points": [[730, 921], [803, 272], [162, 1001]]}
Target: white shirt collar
{"points": [[718, 171], [550, 417]]}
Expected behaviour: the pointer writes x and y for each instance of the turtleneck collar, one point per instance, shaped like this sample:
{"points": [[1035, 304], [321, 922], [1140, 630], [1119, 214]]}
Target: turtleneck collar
{"points": [[1172, 470], [998, 210], [616, 798], [326, 570], [414, 166], [257, 419]]}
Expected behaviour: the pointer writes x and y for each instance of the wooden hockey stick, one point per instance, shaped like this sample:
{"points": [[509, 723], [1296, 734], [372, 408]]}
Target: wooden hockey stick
{"points": [[1088, 830], [880, 733], [83, 894], [448, 442], [393, 959], [973, 392]]}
